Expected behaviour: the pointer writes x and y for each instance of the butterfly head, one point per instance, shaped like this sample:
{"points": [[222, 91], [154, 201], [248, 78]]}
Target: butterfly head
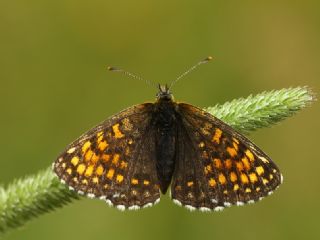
{"points": [[164, 93]]}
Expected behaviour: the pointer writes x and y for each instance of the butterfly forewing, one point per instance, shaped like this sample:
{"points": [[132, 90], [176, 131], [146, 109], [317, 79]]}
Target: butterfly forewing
{"points": [[114, 161], [216, 166]]}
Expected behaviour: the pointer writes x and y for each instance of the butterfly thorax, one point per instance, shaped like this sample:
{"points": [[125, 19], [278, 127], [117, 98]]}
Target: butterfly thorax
{"points": [[165, 121]]}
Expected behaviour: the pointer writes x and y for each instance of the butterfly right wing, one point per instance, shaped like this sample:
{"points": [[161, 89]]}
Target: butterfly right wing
{"points": [[216, 166], [114, 161]]}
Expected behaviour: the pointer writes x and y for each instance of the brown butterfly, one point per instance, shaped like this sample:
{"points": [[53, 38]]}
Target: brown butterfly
{"points": [[132, 157]]}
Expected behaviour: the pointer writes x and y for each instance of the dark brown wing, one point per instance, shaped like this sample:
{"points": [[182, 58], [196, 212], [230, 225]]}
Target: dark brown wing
{"points": [[216, 166], [114, 161]]}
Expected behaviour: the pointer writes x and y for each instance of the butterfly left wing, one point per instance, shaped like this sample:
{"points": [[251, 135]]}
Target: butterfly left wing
{"points": [[114, 161], [216, 166]]}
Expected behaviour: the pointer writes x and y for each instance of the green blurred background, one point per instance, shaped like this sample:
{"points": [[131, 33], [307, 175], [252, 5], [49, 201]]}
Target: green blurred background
{"points": [[54, 86]]}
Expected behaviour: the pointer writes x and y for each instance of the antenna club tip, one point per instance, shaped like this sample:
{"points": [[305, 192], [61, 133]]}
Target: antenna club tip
{"points": [[113, 69], [209, 58]]}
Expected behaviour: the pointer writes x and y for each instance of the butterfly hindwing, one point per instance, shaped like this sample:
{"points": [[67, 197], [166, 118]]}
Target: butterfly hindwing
{"points": [[217, 166], [114, 161]]}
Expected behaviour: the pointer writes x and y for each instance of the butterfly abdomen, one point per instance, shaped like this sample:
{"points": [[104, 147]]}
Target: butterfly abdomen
{"points": [[164, 122]]}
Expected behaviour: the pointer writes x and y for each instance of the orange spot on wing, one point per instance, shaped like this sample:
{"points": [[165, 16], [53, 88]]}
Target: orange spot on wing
{"points": [[105, 157], [217, 136], [232, 152], [99, 170], [81, 168], [190, 184], [115, 159], [244, 178], [100, 138], [89, 171], [86, 146], [91, 156], [207, 169], [94, 158], [249, 155], [117, 132], [75, 161], [260, 170], [228, 163], [239, 166], [119, 178], [103, 145], [88, 155], [212, 182], [95, 180], [110, 173], [246, 163], [134, 181], [146, 182], [69, 171], [235, 145], [233, 177], [222, 178], [123, 164], [217, 163], [253, 177]]}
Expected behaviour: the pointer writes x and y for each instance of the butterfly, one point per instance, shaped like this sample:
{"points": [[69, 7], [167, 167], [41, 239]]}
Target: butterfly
{"points": [[133, 157]]}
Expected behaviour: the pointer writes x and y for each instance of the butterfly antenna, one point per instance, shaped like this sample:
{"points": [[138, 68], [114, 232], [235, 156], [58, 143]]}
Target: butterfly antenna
{"points": [[207, 59], [114, 69]]}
